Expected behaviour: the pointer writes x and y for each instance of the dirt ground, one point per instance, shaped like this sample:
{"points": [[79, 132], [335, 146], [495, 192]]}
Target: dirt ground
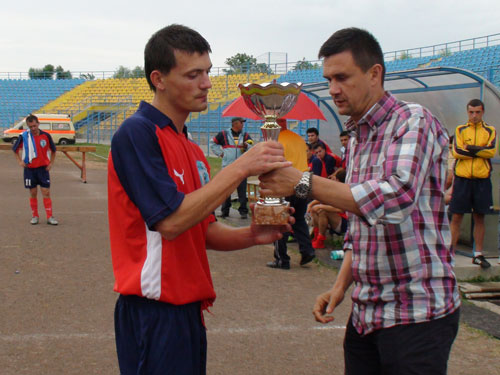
{"points": [[56, 309]]}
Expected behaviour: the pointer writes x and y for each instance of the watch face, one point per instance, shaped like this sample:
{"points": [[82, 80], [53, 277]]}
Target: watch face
{"points": [[301, 190]]}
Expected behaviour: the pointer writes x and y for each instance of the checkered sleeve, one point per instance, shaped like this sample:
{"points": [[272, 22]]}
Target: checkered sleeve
{"points": [[389, 196]]}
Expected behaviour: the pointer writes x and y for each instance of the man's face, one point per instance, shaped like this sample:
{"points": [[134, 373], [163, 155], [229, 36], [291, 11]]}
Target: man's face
{"points": [[320, 152], [33, 126], [187, 84], [312, 138], [237, 126], [351, 88], [475, 114], [344, 140]]}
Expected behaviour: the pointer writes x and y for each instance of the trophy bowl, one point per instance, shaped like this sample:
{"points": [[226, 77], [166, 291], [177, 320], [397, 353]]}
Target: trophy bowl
{"points": [[270, 101]]}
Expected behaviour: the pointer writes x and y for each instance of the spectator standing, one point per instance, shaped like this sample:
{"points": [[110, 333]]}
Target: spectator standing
{"points": [[230, 145], [295, 152], [474, 145], [160, 209], [36, 162], [398, 244]]}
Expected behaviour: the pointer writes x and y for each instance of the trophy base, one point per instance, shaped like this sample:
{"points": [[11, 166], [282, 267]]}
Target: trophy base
{"points": [[271, 214]]}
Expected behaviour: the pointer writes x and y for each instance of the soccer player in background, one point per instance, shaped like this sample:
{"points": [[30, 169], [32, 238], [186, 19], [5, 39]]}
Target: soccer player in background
{"points": [[39, 153]]}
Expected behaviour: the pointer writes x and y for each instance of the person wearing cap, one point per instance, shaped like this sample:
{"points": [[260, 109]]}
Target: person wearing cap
{"points": [[230, 145]]}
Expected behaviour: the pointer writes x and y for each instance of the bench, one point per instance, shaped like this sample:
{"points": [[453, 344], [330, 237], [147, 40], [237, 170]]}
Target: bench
{"points": [[65, 149]]}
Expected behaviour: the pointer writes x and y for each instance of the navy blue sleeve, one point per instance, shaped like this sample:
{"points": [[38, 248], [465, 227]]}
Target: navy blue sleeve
{"points": [[317, 166], [18, 143], [142, 171], [51, 141]]}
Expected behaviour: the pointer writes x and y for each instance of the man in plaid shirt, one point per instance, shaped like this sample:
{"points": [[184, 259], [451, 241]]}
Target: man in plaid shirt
{"points": [[405, 309]]}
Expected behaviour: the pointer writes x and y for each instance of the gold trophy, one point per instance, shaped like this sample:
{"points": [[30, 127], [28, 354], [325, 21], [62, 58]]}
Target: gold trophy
{"points": [[270, 101]]}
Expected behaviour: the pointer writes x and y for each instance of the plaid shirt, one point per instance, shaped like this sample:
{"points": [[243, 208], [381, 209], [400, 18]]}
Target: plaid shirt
{"points": [[402, 263]]}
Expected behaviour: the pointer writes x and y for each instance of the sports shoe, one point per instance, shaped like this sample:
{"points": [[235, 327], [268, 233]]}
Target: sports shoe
{"points": [[481, 261], [319, 242], [278, 264], [306, 259], [52, 221], [34, 220], [243, 216]]}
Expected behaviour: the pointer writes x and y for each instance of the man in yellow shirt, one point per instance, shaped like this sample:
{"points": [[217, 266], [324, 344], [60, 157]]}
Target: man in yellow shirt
{"points": [[473, 147], [295, 152]]}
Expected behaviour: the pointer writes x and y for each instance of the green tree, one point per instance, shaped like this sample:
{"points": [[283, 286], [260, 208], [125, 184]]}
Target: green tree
{"points": [[138, 72], [47, 72], [445, 52], [87, 76], [305, 65], [243, 63], [123, 72], [62, 74], [404, 56]]}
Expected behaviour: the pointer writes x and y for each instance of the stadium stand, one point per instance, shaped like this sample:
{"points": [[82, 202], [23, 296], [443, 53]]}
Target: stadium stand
{"points": [[20, 97], [101, 105], [484, 61], [304, 76]]}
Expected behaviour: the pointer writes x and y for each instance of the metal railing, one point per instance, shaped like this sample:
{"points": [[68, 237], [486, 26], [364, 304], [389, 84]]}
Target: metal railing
{"points": [[444, 49]]}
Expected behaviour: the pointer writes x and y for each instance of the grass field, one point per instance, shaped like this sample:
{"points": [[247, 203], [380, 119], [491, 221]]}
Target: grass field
{"points": [[102, 152]]}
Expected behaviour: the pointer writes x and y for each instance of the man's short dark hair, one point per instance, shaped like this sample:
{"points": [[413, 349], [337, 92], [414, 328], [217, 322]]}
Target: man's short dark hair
{"points": [[312, 130], [363, 46], [344, 133], [319, 144], [475, 103], [159, 51], [31, 118]]}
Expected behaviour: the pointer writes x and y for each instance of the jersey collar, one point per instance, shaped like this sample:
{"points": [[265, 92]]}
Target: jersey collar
{"points": [[157, 117]]}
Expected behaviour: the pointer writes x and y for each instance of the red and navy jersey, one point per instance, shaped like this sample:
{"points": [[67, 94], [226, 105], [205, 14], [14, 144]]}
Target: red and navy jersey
{"points": [[325, 167], [150, 169], [43, 143]]}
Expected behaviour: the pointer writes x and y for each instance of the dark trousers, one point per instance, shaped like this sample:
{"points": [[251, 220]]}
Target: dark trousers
{"points": [[242, 198], [158, 338], [300, 232], [410, 349]]}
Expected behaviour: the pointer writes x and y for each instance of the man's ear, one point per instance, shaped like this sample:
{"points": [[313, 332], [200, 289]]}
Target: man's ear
{"points": [[376, 73], [157, 80]]}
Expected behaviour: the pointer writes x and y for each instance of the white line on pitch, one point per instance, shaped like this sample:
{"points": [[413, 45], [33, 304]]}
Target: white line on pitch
{"points": [[110, 336]]}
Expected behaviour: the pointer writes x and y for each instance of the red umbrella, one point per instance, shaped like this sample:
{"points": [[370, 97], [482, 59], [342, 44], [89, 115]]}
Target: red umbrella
{"points": [[304, 109]]}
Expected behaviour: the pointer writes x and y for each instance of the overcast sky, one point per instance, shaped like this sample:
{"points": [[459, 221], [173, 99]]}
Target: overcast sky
{"points": [[101, 35]]}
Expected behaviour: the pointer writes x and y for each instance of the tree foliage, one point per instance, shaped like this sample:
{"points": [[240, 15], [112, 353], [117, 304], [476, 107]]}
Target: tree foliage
{"points": [[62, 74], [405, 55], [48, 71], [243, 63], [87, 76], [305, 65], [123, 72]]}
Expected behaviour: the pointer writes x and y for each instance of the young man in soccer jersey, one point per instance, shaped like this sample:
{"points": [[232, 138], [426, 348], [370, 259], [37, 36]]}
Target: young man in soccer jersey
{"points": [[161, 202], [473, 146], [398, 255], [36, 162]]}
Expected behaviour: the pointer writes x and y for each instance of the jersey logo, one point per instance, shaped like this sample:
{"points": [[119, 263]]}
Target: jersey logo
{"points": [[43, 143], [181, 176]]}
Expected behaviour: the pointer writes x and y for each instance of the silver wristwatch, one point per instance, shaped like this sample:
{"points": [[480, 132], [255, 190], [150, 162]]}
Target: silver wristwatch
{"points": [[303, 188]]}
